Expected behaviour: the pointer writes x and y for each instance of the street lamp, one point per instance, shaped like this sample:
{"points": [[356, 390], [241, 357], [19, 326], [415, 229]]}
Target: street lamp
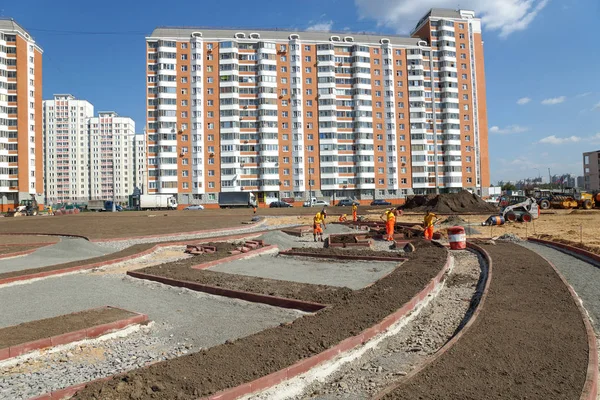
{"points": [[309, 179]]}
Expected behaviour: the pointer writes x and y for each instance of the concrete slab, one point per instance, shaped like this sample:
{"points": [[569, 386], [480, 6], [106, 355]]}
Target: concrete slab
{"points": [[67, 250], [351, 274]]}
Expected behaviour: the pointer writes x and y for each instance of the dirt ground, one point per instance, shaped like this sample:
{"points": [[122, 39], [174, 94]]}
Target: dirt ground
{"points": [[45, 328], [234, 363], [529, 341], [7, 240]]}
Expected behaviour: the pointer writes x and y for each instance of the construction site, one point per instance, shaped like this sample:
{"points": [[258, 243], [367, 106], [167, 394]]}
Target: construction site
{"points": [[196, 305]]}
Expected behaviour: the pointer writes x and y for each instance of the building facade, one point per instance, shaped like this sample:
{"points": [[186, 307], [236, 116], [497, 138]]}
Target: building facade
{"points": [[591, 170], [21, 154], [86, 157], [290, 114], [66, 149], [139, 151]]}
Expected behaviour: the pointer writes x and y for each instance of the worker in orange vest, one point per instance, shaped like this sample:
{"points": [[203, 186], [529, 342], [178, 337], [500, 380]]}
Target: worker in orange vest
{"points": [[317, 229], [389, 216], [343, 218], [428, 222], [354, 212]]}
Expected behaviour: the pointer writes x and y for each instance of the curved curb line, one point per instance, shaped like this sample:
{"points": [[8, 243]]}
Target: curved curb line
{"points": [[590, 387], [45, 274], [563, 246], [23, 253], [45, 234], [75, 336], [345, 345], [457, 337], [179, 234]]}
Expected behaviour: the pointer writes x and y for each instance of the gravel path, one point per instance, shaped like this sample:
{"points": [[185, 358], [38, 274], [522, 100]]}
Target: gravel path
{"points": [[584, 277], [184, 321], [67, 250], [397, 355], [121, 244], [351, 274]]}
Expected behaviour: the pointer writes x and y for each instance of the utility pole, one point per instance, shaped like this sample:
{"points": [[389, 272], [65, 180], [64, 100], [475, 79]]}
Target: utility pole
{"points": [[549, 178]]}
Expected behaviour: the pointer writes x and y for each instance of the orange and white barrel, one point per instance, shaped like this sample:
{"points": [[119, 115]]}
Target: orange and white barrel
{"points": [[457, 238]]}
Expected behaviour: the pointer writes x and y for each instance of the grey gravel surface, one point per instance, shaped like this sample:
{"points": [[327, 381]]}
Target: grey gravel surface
{"points": [[582, 276], [351, 274], [397, 355], [184, 321], [67, 250], [122, 244]]}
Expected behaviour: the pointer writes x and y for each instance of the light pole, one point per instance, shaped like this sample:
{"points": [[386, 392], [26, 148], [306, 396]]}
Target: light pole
{"points": [[309, 178], [114, 199]]}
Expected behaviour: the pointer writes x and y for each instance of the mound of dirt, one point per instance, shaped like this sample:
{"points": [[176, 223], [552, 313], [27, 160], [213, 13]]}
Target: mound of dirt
{"points": [[446, 203]]}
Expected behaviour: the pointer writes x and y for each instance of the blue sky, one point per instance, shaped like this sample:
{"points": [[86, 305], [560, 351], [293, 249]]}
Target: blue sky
{"points": [[543, 90]]}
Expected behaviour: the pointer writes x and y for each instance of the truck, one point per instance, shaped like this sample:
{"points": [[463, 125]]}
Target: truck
{"points": [[102, 205], [158, 202], [236, 199]]}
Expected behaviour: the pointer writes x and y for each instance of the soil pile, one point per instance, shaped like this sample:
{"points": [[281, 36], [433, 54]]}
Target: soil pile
{"points": [[455, 220], [446, 203]]}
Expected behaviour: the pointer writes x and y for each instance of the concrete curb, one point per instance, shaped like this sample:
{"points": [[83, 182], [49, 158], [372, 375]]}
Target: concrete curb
{"points": [[572, 249], [341, 257], [235, 294], [44, 274], [590, 388], [345, 345], [223, 230], [45, 234], [24, 252], [69, 337], [458, 336]]}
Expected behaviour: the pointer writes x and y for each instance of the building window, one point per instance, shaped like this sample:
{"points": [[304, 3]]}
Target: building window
{"points": [[308, 70], [211, 185], [461, 35]]}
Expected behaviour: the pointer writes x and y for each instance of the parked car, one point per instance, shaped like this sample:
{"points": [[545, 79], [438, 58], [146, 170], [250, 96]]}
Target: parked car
{"points": [[316, 203], [347, 203], [279, 204], [195, 207], [380, 202]]}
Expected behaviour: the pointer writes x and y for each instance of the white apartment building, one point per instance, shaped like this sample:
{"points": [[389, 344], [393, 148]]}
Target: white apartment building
{"points": [[139, 150], [112, 156], [87, 157], [66, 149]]}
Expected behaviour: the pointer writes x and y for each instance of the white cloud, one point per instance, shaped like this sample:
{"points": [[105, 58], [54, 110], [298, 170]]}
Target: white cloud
{"points": [[508, 130], [596, 107], [558, 140], [321, 26], [504, 16], [523, 101], [585, 94], [554, 100]]}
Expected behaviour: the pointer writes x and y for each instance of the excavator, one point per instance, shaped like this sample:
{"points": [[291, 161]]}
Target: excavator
{"points": [[27, 207]]}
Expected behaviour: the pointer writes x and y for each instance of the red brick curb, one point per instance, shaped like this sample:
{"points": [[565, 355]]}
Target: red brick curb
{"points": [[236, 294], [70, 337], [345, 345], [21, 253], [458, 336], [563, 246], [341, 257], [590, 388], [258, 251], [223, 230], [45, 274]]}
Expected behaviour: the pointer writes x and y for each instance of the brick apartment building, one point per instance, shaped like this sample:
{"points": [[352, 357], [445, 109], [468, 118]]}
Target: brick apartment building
{"points": [[285, 114], [21, 152]]}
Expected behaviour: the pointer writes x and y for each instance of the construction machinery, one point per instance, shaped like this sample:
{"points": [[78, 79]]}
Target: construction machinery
{"points": [[28, 207], [521, 208]]}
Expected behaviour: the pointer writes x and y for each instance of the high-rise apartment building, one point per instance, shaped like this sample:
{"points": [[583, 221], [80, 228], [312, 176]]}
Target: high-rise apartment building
{"points": [[591, 170], [66, 149], [88, 156], [20, 116], [287, 114]]}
